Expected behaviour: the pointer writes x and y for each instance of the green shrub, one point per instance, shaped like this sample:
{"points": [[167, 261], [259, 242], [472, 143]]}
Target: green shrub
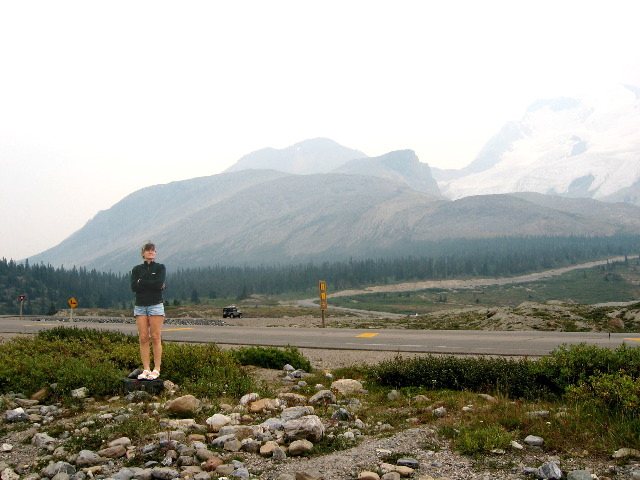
{"points": [[70, 358], [478, 438], [271, 357], [204, 370], [515, 378], [548, 377], [570, 365], [89, 336], [618, 393]]}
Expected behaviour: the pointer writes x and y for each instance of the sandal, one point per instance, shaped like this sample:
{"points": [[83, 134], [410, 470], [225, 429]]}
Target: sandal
{"points": [[153, 375], [144, 375]]}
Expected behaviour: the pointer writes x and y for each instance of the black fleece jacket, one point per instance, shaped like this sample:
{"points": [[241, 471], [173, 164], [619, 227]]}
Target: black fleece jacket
{"points": [[147, 280]]}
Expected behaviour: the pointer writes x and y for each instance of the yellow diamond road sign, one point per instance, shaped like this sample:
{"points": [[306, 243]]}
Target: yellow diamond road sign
{"points": [[73, 303]]}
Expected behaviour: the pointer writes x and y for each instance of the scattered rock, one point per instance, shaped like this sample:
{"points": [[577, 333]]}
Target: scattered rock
{"points": [[185, 405]]}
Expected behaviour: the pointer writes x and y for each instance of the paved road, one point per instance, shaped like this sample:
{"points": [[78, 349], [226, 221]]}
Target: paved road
{"points": [[423, 341]]}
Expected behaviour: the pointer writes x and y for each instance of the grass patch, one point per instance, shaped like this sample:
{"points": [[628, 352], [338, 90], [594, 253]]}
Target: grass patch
{"points": [[478, 438]]}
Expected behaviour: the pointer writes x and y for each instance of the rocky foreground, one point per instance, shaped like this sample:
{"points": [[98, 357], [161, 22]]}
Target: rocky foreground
{"points": [[261, 438]]}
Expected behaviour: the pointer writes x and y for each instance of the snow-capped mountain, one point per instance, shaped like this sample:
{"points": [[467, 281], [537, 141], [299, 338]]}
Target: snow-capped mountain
{"points": [[576, 147]]}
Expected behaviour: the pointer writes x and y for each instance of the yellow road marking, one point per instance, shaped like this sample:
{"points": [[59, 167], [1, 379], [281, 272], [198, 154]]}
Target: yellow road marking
{"points": [[175, 329], [634, 339], [366, 335]]}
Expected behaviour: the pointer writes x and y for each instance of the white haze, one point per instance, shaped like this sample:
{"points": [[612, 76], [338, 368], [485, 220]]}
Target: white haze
{"points": [[99, 99]]}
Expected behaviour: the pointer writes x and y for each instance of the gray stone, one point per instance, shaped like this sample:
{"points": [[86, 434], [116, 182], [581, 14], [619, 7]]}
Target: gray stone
{"points": [[233, 445], [346, 386], [123, 474], [185, 461], [539, 413], [251, 446], [550, 471], [626, 452], [202, 476], [239, 431], [309, 427], [87, 458], [323, 397], [220, 441], [9, 474], [16, 415], [164, 473], [187, 404], [579, 475], [217, 421], [394, 395], [300, 447], [534, 441], [248, 398], [296, 412], [279, 454], [273, 424], [53, 468], [341, 415], [57, 476], [42, 440], [393, 476], [203, 454], [440, 412], [81, 392], [408, 462], [240, 473]]}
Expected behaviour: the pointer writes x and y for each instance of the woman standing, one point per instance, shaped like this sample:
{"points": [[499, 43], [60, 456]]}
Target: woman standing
{"points": [[147, 280]]}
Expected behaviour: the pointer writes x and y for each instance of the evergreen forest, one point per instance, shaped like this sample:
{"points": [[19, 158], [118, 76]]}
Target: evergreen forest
{"points": [[47, 289]]}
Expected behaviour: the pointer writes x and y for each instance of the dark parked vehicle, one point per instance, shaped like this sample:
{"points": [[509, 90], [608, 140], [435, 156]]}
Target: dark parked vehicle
{"points": [[231, 312]]}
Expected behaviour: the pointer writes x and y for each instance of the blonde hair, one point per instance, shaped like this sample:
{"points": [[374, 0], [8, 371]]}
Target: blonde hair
{"points": [[146, 247]]}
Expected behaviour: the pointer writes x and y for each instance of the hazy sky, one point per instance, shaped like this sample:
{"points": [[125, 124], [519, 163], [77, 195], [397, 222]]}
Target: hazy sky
{"points": [[100, 99]]}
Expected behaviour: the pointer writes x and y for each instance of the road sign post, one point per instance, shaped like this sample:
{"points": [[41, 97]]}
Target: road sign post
{"points": [[73, 303], [21, 298], [322, 286]]}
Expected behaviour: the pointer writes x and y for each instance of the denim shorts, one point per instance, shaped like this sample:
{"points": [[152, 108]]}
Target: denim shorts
{"points": [[148, 311]]}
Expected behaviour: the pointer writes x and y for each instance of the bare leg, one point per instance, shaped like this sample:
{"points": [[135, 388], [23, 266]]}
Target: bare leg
{"points": [[155, 327], [143, 322]]}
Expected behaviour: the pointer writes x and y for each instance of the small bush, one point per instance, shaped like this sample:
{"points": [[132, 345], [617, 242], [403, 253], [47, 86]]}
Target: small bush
{"points": [[515, 378], [89, 336], [204, 370], [271, 357], [570, 365], [549, 377], [610, 392], [480, 439], [99, 360]]}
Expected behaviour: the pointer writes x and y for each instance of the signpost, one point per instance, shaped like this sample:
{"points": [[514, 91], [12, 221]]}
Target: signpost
{"points": [[322, 286], [73, 303], [21, 298]]}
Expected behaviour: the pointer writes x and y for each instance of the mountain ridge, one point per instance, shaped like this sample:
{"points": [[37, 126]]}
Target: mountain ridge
{"points": [[280, 218], [568, 167]]}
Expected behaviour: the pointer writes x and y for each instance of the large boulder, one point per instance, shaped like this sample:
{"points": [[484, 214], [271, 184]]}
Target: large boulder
{"points": [[309, 427], [347, 386], [185, 405]]}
